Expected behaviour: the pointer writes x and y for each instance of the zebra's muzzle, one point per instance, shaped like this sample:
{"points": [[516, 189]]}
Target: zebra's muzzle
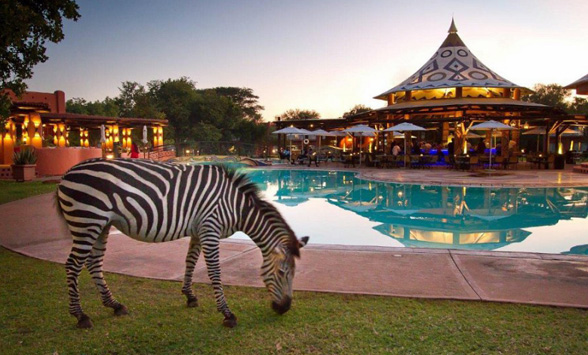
{"points": [[282, 307]]}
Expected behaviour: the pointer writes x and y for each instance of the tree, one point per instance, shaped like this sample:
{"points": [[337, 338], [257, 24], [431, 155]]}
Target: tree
{"points": [[26, 26], [579, 106], [357, 109], [245, 99], [297, 114], [553, 95], [108, 107], [135, 101], [175, 98]]}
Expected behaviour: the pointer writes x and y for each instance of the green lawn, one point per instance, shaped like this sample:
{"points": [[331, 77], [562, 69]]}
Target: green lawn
{"points": [[34, 319], [11, 190]]}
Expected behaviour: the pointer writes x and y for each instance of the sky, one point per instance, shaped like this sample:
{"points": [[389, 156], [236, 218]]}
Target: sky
{"points": [[321, 55]]}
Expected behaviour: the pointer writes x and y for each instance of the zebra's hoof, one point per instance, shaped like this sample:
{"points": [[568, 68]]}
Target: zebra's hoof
{"points": [[230, 321], [84, 322], [121, 310], [193, 302]]}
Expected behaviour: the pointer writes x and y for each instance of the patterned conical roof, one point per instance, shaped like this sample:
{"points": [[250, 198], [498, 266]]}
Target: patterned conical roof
{"points": [[453, 65]]}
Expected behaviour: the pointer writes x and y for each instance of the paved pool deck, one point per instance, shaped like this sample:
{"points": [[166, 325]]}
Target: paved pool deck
{"points": [[31, 227]]}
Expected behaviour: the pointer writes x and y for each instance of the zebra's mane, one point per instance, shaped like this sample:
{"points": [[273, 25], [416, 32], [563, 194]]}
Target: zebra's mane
{"points": [[252, 192]]}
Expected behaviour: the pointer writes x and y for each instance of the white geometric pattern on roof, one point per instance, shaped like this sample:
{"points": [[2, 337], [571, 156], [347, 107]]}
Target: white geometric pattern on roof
{"points": [[453, 65]]}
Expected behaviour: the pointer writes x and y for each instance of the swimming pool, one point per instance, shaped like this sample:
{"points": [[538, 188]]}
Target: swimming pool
{"points": [[334, 207]]}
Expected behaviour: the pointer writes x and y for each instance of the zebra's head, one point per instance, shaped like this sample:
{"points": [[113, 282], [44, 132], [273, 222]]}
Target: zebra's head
{"points": [[279, 268]]}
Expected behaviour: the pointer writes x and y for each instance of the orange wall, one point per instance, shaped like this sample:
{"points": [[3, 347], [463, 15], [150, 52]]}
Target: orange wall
{"points": [[57, 161], [56, 101]]}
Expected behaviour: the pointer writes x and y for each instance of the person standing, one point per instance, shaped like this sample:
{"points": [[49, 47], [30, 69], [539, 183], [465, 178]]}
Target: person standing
{"points": [[134, 151]]}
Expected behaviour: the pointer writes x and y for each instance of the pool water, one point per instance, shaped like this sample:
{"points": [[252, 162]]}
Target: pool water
{"points": [[338, 208]]}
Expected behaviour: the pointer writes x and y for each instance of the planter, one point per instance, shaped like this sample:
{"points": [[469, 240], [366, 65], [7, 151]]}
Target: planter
{"points": [[24, 172]]}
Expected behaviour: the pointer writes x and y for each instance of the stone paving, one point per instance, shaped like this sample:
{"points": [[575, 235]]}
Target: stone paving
{"points": [[32, 227]]}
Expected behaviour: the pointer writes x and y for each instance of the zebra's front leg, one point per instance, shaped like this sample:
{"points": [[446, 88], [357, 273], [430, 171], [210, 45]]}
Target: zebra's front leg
{"points": [[94, 265], [210, 244], [191, 260]]}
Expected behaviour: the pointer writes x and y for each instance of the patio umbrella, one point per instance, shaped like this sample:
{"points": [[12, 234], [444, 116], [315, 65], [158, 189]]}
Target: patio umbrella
{"points": [[362, 130], [290, 131], [490, 126], [145, 140], [320, 133], [539, 131], [102, 134], [405, 127]]}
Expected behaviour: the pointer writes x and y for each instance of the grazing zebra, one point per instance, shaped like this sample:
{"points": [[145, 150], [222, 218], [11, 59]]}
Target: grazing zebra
{"points": [[155, 202]]}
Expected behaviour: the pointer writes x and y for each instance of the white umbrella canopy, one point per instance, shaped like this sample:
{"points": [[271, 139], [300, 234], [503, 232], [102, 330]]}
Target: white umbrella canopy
{"points": [[338, 133], [541, 131], [405, 127], [102, 134], [290, 131], [362, 130], [320, 133], [145, 141], [491, 126]]}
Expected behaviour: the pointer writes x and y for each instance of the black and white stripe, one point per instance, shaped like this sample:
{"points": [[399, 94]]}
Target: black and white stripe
{"points": [[156, 202]]}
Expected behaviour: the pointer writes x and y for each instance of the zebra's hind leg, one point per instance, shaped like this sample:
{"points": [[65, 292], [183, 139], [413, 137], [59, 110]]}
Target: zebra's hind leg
{"points": [[83, 242], [191, 260], [94, 265], [210, 245]]}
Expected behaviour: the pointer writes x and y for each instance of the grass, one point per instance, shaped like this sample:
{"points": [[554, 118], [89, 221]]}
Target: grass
{"points": [[34, 318], [11, 190]]}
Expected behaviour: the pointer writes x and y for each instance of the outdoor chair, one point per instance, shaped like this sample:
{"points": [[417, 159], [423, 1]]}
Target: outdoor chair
{"points": [[348, 160], [450, 164]]}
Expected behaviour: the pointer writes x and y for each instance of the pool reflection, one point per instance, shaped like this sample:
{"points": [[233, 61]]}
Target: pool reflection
{"points": [[433, 216]]}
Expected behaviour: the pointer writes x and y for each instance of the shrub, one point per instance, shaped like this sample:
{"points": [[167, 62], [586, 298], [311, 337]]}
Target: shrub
{"points": [[25, 156]]}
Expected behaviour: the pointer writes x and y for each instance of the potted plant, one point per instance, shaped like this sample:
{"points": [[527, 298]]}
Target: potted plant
{"points": [[24, 164]]}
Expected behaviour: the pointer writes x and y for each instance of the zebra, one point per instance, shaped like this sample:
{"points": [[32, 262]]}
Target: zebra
{"points": [[159, 202]]}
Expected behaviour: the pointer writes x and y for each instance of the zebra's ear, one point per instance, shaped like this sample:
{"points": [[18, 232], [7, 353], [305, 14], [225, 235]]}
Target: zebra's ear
{"points": [[302, 241]]}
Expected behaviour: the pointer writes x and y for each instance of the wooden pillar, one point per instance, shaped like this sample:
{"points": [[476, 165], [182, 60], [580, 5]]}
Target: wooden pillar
{"points": [[459, 142], [391, 99], [407, 95], [458, 92], [444, 132], [546, 139]]}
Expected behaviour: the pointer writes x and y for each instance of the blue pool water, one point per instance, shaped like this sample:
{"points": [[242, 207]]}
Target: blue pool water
{"points": [[338, 208]]}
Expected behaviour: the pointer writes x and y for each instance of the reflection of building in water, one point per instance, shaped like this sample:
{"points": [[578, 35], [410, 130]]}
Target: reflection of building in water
{"points": [[460, 217], [297, 186], [432, 216]]}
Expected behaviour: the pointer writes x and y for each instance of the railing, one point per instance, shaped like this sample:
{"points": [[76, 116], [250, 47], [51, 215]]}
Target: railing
{"points": [[164, 152], [222, 148]]}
